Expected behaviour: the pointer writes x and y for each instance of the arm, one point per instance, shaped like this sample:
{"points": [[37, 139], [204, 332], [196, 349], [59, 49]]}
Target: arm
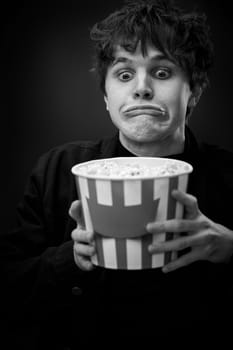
{"points": [[37, 264]]}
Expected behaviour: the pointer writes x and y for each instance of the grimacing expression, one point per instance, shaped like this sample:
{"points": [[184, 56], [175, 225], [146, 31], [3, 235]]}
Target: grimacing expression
{"points": [[146, 96]]}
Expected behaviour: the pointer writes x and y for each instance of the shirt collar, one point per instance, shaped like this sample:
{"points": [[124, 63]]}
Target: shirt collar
{"points": [[112, 147], [189, 153]]}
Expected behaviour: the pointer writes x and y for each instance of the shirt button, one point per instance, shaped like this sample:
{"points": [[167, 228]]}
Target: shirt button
{"points": [[76, 291]]}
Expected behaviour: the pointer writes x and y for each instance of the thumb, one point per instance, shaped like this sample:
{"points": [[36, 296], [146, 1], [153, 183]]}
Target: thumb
{"points": [[76, 213]]}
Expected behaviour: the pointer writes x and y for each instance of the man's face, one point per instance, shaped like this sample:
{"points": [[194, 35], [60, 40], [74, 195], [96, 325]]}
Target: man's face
{"points": [[147, 97]]}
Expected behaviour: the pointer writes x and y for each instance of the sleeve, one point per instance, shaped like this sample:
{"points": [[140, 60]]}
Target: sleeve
{"points": [[37, 264]]}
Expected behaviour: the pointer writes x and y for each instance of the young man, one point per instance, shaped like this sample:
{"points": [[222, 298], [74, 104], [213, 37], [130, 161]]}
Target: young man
{"points": [[149, 55]]}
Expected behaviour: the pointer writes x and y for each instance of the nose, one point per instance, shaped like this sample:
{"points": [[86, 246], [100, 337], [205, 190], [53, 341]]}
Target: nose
{"points": [[143, 89]]}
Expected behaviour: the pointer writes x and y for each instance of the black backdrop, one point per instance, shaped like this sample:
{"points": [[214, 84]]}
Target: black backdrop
{"points": [[50, 97]]}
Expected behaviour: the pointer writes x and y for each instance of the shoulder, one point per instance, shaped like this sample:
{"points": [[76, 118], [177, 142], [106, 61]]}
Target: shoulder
{"points": [[218, 162], [216, 155], [54, 166], [74, 150], [61, 158]]}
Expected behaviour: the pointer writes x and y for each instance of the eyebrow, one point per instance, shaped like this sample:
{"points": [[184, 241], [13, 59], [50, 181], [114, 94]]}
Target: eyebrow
{"points": [[122, 59]]}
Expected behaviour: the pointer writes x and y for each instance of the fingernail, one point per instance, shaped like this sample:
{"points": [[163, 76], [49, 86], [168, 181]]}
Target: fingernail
{"points": [[174, 192], [164, 269], [154, 248], [150, 248]]}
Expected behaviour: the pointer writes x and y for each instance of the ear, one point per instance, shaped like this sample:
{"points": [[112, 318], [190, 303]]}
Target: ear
{"points": [[195, 97], [106, 101]]}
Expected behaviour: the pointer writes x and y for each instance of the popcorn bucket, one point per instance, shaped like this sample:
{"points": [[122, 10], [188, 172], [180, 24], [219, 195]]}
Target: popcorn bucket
{"points": [[118, 206]]}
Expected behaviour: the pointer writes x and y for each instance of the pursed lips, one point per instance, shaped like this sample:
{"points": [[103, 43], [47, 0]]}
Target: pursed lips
{"points": [[144, 109]]}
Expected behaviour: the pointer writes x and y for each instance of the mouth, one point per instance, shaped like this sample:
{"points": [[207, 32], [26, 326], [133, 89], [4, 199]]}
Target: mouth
{"points": [[144, 109]]}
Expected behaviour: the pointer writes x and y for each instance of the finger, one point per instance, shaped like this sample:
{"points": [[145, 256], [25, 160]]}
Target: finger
{"points": [[84, 250], [83, 236], [83, 263], [179, 243], [76, 213], [189, 201], [184, 260], [74, 209], [175, 225]]}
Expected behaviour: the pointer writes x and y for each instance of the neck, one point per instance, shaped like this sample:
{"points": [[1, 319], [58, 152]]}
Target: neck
{"points": [[161, 148]]}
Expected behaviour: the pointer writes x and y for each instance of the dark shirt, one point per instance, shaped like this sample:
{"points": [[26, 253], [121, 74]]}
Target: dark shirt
{"points": [[44, 289]]}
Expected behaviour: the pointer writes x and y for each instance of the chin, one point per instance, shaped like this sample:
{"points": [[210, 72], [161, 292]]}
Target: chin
{"points": [[145, 131], [144, 137], [145, 134]]}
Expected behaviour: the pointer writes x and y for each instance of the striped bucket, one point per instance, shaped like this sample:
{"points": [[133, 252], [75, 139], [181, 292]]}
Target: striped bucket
{"points": [[118, 210]]}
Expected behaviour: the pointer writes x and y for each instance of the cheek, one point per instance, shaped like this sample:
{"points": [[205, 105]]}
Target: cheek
{"points": [[177, 99], [116, 93], [115, 99], [112, 107]]}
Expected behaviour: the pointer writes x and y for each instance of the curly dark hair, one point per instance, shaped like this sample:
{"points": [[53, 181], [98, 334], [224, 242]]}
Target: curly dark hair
{"points": [[183, 37]]}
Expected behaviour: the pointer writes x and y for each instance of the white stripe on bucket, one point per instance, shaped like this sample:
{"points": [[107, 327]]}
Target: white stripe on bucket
{"points": [[134, 255], [109, 249], [161, 187], [104, 192], [83, 186], [182, 186], [132, 192]]}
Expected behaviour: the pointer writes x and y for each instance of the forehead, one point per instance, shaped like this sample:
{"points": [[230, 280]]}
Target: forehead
{"points": [[151, 54]]}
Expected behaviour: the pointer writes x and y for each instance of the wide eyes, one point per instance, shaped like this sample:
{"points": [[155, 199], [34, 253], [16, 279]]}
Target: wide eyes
{"points": [[125, 75], [163, 73], [158, 73]]}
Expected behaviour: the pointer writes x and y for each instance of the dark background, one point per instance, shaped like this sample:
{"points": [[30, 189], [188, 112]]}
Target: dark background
{"points": [[50, 97]]}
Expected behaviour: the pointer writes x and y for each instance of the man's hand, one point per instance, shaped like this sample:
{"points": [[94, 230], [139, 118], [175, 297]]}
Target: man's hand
{"points": [[207, 239], [84, 247]]}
